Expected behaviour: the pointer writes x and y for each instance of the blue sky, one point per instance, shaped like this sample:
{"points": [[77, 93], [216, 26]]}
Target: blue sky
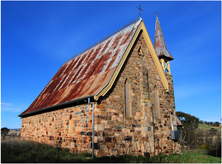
{"points": [[38, 37]]}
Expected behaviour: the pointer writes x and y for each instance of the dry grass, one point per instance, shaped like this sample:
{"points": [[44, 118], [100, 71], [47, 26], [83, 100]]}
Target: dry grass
{"points": [[208, 127], [16, 150]]}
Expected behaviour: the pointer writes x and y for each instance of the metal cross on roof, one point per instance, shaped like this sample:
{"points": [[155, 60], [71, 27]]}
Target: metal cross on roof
{"points": [[140, 9], [156, 13]]}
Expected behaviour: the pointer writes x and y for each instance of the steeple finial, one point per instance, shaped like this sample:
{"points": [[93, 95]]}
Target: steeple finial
{"points": [[140, 9], [156, 13]]}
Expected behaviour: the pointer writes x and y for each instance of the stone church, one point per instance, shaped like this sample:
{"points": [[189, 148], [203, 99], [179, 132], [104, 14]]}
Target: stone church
{"points": [[114, 98]]}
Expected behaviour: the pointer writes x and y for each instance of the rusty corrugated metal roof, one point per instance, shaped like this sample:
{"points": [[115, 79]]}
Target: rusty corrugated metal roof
{"points": [[86, 74], [160, 45], [178, 122]]}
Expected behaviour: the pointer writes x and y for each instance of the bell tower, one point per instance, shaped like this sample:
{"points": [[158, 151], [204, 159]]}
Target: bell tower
{"points": [[161, 49]]}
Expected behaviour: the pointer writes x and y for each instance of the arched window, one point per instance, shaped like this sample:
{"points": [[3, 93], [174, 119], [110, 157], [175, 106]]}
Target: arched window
{"points": [[52, 125], [157, 103], [127, 99], [70, 123], [145, 83]]}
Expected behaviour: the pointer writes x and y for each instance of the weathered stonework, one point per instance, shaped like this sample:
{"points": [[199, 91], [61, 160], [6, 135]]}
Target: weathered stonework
{"points": [[140, 134], [68, 128]]}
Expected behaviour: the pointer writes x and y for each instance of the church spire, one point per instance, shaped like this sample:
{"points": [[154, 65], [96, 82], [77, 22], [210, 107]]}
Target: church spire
{"points": [[161, 49]]}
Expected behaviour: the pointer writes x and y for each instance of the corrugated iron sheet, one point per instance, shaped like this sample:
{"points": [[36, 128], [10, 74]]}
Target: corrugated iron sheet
{"points": [[178, 122], [86, 74], [160, 45]]}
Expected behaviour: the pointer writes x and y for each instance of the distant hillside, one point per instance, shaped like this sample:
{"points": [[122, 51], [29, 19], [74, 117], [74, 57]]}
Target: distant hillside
{"points": [[10, 132], [208, 127]]}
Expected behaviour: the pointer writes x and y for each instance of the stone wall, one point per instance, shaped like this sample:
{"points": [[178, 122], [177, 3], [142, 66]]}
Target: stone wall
{"points": [[68, 128], [140, 134]]}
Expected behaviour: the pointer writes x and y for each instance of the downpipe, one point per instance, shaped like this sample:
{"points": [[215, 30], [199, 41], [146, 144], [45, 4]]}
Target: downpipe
{"points": [[93, 106], [171, 126]]}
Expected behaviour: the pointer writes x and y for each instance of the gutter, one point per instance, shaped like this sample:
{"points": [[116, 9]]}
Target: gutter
{"points": [[54, 106]]}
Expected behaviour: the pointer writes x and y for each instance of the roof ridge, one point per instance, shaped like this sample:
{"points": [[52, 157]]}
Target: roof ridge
{"points": [[108, 36]]}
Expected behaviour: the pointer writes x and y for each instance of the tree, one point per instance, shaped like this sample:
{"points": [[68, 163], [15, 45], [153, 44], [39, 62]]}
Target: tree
{"points": [[188, 121], [190, 124], [4, 132], [217, 124], [212, 131]]}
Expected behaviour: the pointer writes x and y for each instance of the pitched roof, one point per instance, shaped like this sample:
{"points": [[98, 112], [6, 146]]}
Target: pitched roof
{"points": [[160, 45], [93, 73], [87, 74]]}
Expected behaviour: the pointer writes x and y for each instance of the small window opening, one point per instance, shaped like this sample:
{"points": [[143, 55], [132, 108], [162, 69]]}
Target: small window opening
{"points": [[70, 123], [52, 126], [157, 103], [140, 50], [127, 98]]}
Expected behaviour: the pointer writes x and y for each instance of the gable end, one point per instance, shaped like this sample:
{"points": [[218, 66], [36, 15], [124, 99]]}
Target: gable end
{"points": [[141, 28]]}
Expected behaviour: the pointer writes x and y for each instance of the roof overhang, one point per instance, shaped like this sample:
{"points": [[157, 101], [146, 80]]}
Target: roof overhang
{"points": [[178, 122], [165, 58], [56, 106]]}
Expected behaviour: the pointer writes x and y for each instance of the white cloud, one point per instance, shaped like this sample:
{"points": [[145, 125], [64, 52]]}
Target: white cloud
{"points": [[9, 107], [6, 104]]}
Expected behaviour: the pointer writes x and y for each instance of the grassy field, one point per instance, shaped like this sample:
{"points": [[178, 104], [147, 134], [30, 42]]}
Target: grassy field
{"points": [[23, 151], [208, 127]]}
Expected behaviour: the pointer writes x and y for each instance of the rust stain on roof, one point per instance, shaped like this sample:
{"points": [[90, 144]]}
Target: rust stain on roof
{"points": [[178, 121], [87, 73]]}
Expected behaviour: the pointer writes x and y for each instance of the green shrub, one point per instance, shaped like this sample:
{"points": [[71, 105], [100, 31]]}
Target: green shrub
{"points": [[205, 147]]}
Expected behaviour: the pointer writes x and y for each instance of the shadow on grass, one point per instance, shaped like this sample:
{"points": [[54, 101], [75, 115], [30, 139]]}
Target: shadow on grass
{"points": [[31, 152], [215, 153]]}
